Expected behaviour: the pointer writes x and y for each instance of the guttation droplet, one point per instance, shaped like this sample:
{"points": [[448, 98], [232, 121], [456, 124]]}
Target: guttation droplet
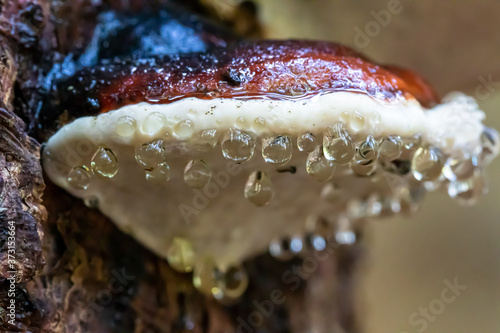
{"points": [[153, 123], [209, 137], [460, 168], [338, 146], [79, 177], [259, 189], [150, 155], [467, 192], [318, 167], [427, 164], [184, 129], [126, 126], [390, 148], [228, 284], [238, 146], [277, 150], [280, 249], [306, 142], [231, 283], [160, 175], [181, 255], [104, 163], [197, 174], [365, 158]]}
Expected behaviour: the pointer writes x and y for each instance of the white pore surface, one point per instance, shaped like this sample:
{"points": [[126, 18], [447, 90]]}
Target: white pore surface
{"points": [[218, 219]]}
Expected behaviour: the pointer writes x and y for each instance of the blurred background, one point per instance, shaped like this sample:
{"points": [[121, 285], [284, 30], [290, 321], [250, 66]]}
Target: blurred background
{"points": [[455, 45]]}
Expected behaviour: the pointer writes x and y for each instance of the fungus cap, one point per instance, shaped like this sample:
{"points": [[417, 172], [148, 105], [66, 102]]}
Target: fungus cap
{"points": [[231, 173]]}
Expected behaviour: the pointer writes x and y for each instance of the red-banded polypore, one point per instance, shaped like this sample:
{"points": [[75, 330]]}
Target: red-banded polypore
{"points": [[210, 159]]}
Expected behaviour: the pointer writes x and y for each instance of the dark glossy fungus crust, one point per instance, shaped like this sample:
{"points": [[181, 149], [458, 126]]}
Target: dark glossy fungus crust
{"points": [[267, 69]]}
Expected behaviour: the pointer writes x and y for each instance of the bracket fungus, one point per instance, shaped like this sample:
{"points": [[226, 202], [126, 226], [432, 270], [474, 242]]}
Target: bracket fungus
{"points": [[208, 159]]}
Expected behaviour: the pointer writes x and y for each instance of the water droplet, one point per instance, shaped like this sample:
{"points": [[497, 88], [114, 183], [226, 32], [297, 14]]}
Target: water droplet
{"points": [[390, 148], [259, 189], [467, 192], [160, 175], [153, 123], [489, 145], [357, 121], [126, 126], [259, 123], [318, 167], [231, 283], [180, 255], [338, 145], [366, 155], [306, 142], [280, 249], [197, 174], [367, 151], [79, 178], [427, 164], [241, 123], [363, 170], [205, 274], [150, 155], [296, 244], [277, 150], [91, 202], [184, 129], [344, 234], [104, 163], [412, 143], [238, 146], [209, 137], [459, 168]]}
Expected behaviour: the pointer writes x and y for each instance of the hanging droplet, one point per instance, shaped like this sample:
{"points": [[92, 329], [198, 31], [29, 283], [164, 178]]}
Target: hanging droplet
{"points": [[296, 244], [205, 275], [231, 283], [280, 249], [209, 137], [126, 126], [459, 168], [344, 234], [374, 205], [91, 202], [238, 146], [259, 189], [363, 170], [357, 121], [151, 155], [427, 164], [160, 175], [277, 150], [197, 174], [412, 143], [153, 123], [338, 145], [390, 148], [184, 129], [367, 151], [306, 142], [318, 167], [180, 255], [467, 192], [489, 145], [79, 178], [104, 163]]}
